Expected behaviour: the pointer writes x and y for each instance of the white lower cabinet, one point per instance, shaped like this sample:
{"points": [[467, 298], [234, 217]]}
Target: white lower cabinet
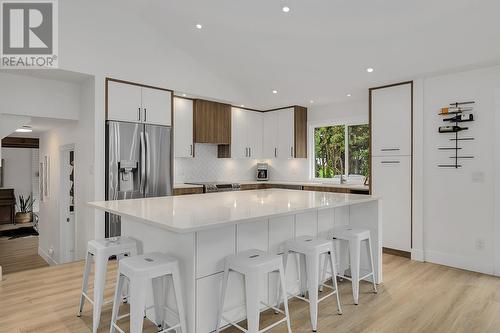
{"points": [[210, 254], [392, 181], [207, 301]]}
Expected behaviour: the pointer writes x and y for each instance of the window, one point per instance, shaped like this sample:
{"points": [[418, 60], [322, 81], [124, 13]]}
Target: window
{"points": [[332, 159]]}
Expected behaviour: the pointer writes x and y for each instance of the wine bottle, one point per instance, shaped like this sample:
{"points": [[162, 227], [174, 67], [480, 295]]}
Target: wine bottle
{"points": [[451, 129], [460, 118]]}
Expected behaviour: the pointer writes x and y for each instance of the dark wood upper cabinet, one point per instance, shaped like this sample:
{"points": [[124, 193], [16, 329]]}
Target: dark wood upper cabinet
{"points": [[300, 129], [212, 122]]}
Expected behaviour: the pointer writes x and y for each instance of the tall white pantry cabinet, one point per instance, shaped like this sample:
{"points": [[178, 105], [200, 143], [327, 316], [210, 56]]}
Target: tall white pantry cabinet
{"points": [[391, 111]]}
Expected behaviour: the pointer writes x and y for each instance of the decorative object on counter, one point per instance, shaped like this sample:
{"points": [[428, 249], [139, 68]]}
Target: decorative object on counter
{"points": [[461, 114], [262, 171], [24, 215]]}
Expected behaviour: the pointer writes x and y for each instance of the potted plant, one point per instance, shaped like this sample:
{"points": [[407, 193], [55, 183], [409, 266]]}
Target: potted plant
{"points": [[25, 206]]}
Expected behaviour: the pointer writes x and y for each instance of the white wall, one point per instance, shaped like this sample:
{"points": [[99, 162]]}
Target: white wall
{"points": [[80, 133], [32, 96], [97, 39], [17, 170], [459, 204]]}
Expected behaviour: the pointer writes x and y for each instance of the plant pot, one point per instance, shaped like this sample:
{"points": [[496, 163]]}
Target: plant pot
{"points": [[23, 217]]}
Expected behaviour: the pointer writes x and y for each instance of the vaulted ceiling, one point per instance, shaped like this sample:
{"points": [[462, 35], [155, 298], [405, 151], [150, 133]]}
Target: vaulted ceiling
{"points": [[320, 49]]}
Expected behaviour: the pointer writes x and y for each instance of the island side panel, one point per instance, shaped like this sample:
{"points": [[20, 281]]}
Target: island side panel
{"points": [[181, 246], [369, 216]]}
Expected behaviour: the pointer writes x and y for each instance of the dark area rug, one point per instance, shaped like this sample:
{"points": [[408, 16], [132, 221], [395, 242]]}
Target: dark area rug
{"points": [[19, 232]]}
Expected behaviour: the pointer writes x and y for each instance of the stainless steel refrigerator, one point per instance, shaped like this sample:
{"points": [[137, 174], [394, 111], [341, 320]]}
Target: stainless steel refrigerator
{"points": [[138, 164]]}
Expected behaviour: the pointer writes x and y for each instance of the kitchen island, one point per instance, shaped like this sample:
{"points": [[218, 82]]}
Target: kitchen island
{"points": [[201, 229]]}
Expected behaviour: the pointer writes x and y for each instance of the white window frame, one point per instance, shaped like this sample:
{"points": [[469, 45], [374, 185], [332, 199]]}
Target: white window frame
{"points": [[344, 122]]}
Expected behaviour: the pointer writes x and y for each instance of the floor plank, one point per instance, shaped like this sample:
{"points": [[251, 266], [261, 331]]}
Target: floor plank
{"points": [[20, 254], [415, 297]]}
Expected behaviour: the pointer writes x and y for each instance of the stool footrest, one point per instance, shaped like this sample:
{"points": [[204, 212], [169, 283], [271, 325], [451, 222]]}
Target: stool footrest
{"points": [[265, 329], [88, 298]]}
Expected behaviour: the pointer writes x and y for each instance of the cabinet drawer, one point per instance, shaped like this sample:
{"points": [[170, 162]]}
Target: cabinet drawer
{"points": [[212, 246]]}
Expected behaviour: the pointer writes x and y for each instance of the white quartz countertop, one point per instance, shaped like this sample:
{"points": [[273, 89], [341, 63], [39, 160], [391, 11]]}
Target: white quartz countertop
{"points": [[190, 213]]}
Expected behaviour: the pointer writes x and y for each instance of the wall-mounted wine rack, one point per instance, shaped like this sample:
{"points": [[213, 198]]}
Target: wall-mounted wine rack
{"points": [[458, 113]]}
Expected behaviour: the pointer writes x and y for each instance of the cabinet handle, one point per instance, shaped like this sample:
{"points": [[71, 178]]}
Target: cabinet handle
{"points": [[190, 150], [291, 151], [389, 149], [249, 151], [138, 114], [145, 114], [389, 162], [275, 152], [246, 151]]}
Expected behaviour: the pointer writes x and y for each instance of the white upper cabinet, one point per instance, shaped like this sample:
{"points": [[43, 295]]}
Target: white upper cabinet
{"points": [[239, 147], [157, 106], [270, 135], [133, 103], [183, 127], [391, 120], [286, 129], [254, 133], [124, 102], [246, 133]]}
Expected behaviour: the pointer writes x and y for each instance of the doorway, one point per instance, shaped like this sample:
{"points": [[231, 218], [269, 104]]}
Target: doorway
{"points": [[67, 220]]}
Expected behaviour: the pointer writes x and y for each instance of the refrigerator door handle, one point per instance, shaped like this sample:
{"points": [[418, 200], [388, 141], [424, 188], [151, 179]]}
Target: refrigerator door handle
{"points": [[148, 163], [143, 163]]}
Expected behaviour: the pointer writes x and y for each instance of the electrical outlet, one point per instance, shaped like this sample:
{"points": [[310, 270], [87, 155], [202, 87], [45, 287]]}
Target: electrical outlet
{"points": [[480, 244]]}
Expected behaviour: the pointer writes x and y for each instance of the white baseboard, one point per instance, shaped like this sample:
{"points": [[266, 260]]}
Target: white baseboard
{"points": [[417, 255], [462, 262], [46, 257]]}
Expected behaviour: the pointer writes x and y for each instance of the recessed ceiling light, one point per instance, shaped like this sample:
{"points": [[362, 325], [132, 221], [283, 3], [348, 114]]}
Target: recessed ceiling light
{"points": [[24, 129], [183, 95], [348, 95], [369, 70], [275, 91], [285, 9], [311, 101], [199, 26], [242, 105]]}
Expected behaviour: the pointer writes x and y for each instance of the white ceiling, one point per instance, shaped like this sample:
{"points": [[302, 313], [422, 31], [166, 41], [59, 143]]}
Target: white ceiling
{"points": [[321, 48]]}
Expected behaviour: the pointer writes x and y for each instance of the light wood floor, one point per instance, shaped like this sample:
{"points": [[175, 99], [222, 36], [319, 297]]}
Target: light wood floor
{"points": [[415, 297], [20, 254]]}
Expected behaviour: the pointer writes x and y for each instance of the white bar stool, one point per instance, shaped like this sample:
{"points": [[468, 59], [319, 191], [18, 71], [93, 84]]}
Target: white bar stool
{"points": [[252, 264], [101, 250], [140, 270], [310, 251], [354, 237]]}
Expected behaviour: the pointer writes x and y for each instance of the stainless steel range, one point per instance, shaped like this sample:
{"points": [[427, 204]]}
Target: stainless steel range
{"points": [[211, 187]]}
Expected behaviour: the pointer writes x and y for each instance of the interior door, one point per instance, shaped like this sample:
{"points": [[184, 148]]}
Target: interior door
{"points": [[183, 127], [157, 106], [159, 175], [67, 205], [124, 102]]}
